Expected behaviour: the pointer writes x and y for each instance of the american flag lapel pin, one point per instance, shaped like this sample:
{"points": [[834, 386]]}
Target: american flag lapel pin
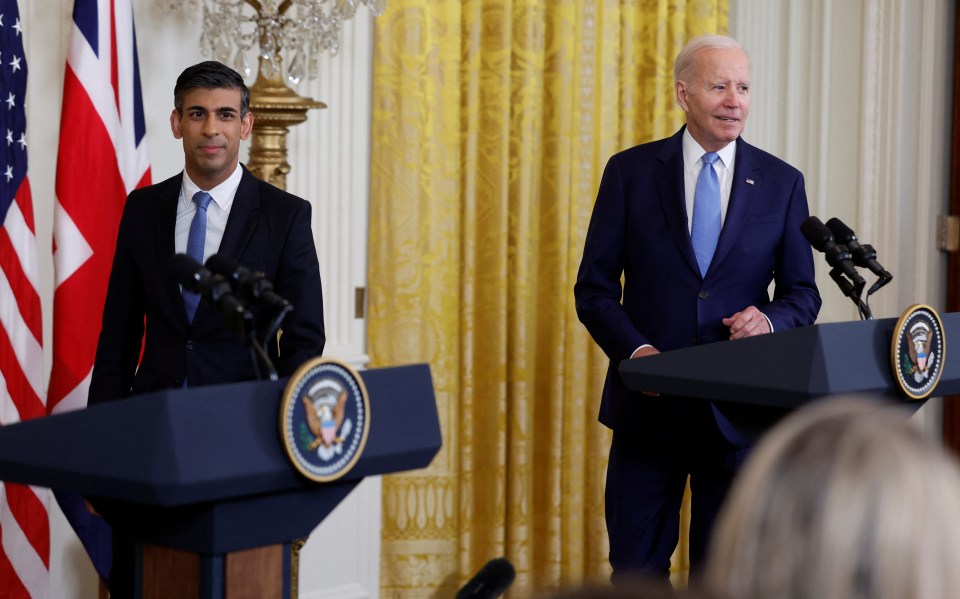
{"points": [[749, 181]]}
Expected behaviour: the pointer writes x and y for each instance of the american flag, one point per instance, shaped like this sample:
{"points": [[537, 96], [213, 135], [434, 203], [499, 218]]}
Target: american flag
{"points": [[24, 527], [102, 157]]}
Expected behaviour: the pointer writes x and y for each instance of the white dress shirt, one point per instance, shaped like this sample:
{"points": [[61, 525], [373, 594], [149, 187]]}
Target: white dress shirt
{"points": [[217, 212]]}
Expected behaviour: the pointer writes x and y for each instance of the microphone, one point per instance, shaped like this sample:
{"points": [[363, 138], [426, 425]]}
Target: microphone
{"points": [[490, 582], [251, 285], [838, 255], [212, 287], [863, 254]]}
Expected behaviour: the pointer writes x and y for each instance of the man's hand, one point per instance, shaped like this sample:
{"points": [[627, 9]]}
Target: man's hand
{"points": [[748, 322], [642, 352]]}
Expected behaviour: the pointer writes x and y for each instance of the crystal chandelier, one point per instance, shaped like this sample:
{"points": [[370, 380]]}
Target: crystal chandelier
{"points": [[303, 29]]}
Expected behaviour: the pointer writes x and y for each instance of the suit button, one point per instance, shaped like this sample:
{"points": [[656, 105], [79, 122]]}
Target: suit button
{"points": [[703, 295], [189, 344], [693, 339]]}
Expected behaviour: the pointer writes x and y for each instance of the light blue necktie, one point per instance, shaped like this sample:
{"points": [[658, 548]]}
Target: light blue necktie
{"points": [[705, 229], [195, 242]]}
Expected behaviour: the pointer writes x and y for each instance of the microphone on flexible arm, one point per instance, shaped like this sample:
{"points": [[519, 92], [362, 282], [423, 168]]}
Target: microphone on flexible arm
{"points": [[256, 289], [219, 293], [211, 287], [863, 254], [844, 273], [490, 582], [251, 285]]}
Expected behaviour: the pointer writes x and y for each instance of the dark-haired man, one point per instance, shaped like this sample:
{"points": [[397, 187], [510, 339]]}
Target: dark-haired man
{"points": [[263, 228], [256, 224]]}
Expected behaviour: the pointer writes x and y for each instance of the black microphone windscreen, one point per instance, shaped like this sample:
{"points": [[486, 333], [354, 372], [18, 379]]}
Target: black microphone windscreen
{"points": [[490, 582], [185, 270], [841, 232], [223, 265], [816, 233]]}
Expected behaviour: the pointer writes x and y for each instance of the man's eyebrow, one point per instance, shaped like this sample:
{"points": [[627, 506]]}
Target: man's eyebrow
{"points": [[220, 109]]}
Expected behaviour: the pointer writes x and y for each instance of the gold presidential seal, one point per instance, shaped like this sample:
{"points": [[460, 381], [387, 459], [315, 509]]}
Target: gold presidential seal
{"points": [[324, 419], [918, 351]]}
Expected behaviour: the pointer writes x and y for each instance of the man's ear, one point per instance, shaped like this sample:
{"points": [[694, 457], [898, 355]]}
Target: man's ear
{"points": [[682, 95], [246, 126], [175, 124]]}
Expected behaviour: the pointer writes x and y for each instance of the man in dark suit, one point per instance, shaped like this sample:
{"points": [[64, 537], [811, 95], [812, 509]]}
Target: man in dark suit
{"points": [[252, 222], [214, 206], [693, 272]]}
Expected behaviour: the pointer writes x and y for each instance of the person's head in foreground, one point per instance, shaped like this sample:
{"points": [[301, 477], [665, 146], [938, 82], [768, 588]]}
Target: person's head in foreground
{"points": [[844, 499]]}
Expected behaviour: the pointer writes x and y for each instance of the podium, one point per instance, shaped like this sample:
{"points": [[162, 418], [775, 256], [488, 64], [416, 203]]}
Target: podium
{"points": [[202, 473], [789, 368]]}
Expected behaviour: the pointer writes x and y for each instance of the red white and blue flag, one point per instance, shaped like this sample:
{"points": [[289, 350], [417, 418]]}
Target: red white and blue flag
{"points": [[24, 527], [102, 158]]}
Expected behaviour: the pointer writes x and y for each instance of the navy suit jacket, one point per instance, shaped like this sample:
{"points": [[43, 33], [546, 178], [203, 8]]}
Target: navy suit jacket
{"points": [[268, 230], [639, 230]]}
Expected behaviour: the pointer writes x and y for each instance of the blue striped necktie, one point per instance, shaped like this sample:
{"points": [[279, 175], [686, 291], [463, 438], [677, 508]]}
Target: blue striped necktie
{"points": [[195, 242], [705, 228]]}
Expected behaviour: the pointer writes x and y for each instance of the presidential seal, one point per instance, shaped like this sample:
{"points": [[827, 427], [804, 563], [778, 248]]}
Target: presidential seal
{"points": [[918, 351], [324, 419]]}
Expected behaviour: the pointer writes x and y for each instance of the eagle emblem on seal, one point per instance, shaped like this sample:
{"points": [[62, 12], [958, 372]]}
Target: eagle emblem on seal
{"points": [[325, 421], [918, 346]]}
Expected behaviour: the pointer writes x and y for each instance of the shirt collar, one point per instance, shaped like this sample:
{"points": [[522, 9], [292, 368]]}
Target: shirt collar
{"points": [[693, 152], [222, 194]]}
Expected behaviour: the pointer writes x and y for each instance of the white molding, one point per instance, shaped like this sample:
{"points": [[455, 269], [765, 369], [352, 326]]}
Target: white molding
{"points": [[329, 156], [346, 591], [342, 556]]}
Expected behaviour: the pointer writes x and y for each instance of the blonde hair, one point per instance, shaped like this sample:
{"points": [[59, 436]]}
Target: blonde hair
{"points": [[684, 64], [845, 499]]}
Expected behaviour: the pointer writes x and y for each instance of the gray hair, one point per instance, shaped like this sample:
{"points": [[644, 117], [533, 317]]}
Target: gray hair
{"points": [[844, 498], [684, 63]]}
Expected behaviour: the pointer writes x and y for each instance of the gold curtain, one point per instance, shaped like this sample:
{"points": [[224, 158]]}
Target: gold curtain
{"points": [[492, 121]]}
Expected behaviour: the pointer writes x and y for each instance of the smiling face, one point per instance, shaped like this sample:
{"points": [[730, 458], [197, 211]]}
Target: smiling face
{"points": [[211, 128], [716, 96]]}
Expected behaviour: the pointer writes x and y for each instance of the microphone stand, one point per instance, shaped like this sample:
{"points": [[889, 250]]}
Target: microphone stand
{"points": [[244, 325], [257, 356], [853, 292], [258, 353]]}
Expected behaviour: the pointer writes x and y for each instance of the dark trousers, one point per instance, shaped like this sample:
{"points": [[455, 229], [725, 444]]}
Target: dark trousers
{"points": [[646, 477], [123, 569]]}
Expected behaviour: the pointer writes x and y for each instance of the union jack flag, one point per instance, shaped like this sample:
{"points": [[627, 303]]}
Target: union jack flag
{"points": [[24, 527], [102, 158]]}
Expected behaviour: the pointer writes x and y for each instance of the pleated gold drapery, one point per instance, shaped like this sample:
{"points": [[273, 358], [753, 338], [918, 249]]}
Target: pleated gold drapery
{"points": [[492, 121]]}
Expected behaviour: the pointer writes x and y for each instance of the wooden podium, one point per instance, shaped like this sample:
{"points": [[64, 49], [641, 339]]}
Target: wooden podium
{"points": [[199, 479]]}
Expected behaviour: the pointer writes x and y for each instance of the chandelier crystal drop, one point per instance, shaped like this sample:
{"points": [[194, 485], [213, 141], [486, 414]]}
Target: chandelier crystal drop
{"points": [[234, 31]]}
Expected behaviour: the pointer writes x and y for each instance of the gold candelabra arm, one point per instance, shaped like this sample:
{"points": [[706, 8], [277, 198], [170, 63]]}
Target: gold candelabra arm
{"points": [[276, 108]]}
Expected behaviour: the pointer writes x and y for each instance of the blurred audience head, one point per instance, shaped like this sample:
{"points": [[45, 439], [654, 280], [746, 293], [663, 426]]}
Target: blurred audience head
{"points": [[630, 588], [844, 499]]}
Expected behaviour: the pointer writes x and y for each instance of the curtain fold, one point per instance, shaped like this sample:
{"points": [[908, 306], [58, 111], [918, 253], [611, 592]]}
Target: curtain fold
{"points": [[492, 122]]}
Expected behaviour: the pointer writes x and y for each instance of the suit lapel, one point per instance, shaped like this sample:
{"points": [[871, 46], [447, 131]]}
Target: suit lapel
{"points": [[244, 216], [670, 188], [165, 233], [746, 183]]}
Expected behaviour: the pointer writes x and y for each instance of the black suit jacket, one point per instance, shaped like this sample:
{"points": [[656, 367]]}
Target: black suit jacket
{"points": [[639, 232], [268, 230]]}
